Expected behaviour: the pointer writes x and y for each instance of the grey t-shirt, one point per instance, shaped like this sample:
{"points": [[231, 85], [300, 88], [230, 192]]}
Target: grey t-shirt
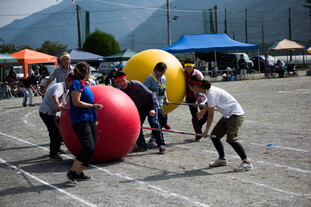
{"points": [[60, 74], [47, 106]]}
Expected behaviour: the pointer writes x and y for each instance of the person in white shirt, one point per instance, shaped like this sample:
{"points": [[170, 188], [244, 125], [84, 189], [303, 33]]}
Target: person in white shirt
{"points": [[49, 111], [229, 124]]}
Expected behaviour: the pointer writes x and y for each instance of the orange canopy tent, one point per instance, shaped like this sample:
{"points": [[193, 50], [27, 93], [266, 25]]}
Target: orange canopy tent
{"points": [[26, 57]]}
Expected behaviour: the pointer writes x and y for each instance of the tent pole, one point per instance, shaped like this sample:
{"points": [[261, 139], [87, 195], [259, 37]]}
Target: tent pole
{"points": [[216, 66], [237, 61], [1, 72]]}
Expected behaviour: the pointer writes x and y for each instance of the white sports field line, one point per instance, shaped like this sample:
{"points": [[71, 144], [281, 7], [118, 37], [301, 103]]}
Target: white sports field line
{"points": [[156, 188], [47, 184]]}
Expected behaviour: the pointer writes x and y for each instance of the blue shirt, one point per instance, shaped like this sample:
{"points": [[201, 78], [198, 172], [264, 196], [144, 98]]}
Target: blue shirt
{"points": [[78, 114], [157, 87]]}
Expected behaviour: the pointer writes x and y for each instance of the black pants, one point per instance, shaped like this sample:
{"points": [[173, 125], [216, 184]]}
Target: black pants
{"points": [[86, 132], [52, 123], [197, 124], [162, 118]]}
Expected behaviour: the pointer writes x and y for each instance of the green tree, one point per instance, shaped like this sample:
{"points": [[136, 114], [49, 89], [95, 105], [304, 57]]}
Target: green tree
{"points": [[52, 47], [25, 47], [101, 43], [7, 48]]}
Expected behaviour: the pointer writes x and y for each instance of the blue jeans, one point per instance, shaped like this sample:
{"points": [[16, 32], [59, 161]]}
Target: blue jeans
{"points": [[154, 123]]}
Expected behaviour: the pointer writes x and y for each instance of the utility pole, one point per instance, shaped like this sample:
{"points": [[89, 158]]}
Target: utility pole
{"points": [[204, 18], [262, 37], [290, 32], [79, 29], [211, 21], [289, 25], [225, 22], [168, 22], [87, 24], [246, 39], [216, 19], [132, 47]]}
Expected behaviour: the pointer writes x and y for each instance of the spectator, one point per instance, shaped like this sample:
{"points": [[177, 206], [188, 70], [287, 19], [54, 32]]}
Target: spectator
{"points": [[267, 66], [27, 87], [291, 69], [110, 79], [279, 68], [11, 79], [243, 67]]}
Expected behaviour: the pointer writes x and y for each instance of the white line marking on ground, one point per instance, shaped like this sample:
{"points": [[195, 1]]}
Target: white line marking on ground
{"points": [[47, 184], [287, 148], [26, 117], [299, 91], [258, 161], [8, 111], [264, 185], [173, 194], [117, 175], [26, 142], [156, 188]]}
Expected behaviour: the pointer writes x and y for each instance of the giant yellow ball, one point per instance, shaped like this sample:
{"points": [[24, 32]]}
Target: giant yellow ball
{"points": [[142, 64]]}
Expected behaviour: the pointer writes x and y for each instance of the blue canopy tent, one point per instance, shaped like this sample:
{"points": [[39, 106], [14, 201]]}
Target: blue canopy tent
{"points": [[207, 43], [78, 55]]}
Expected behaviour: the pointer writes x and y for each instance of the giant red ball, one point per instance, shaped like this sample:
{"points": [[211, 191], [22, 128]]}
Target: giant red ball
{"points": [[117, 129]]}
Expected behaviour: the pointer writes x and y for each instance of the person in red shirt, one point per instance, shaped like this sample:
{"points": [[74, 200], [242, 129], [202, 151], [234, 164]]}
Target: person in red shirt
{"points": [[191, 98]]}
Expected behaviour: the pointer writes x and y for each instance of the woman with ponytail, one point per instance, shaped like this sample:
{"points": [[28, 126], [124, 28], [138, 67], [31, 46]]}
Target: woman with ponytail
{"points": [[229, 124], [83, 117]]}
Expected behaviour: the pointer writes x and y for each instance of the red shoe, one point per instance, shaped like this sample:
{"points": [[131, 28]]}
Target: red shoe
{"points": [[167, 127]]}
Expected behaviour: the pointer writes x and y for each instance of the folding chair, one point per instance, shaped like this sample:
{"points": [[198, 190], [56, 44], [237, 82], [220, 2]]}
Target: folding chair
{"points": [[5, 91], [250, 73], [237, 74]]}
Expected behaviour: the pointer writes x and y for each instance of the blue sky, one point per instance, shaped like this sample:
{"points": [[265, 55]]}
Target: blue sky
{"points": [[19, 9]]}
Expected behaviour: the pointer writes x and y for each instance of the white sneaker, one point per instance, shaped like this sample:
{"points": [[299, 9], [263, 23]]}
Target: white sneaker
{"points": [[244, 166], [218, 163]]}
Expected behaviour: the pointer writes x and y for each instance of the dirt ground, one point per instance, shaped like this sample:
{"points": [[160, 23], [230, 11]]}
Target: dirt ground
{"points": [[276, 136]]}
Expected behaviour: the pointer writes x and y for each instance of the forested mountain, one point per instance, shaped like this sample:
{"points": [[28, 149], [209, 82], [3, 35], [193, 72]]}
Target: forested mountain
{"points": [[142, 24]]}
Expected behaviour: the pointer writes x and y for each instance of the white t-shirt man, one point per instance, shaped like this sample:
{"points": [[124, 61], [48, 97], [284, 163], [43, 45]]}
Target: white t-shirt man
{"points": [[226, 104], [48, 106]]}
